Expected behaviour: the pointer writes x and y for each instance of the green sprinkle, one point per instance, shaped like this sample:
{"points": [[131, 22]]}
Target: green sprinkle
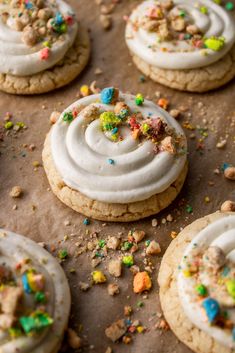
{"points": [[101, 243], [230, 285], [201, 290], [68, 117], [182, 13], [229, 6], [204, 10], [139, 99], [189, 209], [63, 254], [35, 322], [128, 260], [127, 245], [147, 243], [40, 297], [140, 304], [8, 125]]}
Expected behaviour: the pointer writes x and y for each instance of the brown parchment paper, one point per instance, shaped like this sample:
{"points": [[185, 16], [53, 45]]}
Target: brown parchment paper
{"points": [[40, 216]]}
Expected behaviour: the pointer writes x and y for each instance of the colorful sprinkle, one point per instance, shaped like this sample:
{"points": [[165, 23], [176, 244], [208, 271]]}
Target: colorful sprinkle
{"points": [[139, 99], [128, 260], [212, 309], [86, 222], [98, 277], [201, 290]]}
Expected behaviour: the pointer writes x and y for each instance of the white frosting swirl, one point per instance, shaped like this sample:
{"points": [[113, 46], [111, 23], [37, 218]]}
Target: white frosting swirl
{"points": [[14, 249], [18, 59], [81, 152], [220, 233], [180, 55]]}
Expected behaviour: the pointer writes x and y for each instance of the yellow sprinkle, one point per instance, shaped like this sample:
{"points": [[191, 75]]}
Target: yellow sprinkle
{"points": [[98, 277], [187, 273], [140, 329]]}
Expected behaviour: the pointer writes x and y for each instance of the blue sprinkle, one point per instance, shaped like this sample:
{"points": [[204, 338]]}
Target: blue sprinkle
{"points": [[212, 309], [59, 19], [29, 5], [107, 95], [86, 222], [25, 283], [114, 131], [111, 161], [128, 322], [226, 271], [225, 166]]}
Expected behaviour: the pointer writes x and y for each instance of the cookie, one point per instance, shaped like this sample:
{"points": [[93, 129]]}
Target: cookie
{"points": [[34, 297], [184, 45], [116, 157], [197, 285], [46, 50]]}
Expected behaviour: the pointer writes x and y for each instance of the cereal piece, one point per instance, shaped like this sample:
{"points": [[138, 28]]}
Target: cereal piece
{"points": [[229, 173], [109, 95], [127, 310], [214, 258], [228, 206], [153, 248], [29, 36], [9, 299], [84, 286], [116, 330], [175, 113], [115, 268], [106, 21], [74, 340], [138, 235], [16, 192], [113, 289], [98, 277], [142, 282], [113, 243], [178, 24]]}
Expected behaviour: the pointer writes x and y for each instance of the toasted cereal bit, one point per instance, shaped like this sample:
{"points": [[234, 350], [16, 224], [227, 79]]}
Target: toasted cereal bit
{"points": [[154, 222], [74, 340], [113, 289], [153, 248], [173, 234], [115, 331], [98, 277], [54, 117], [228, 206], [115, 268], [126, 339], [127, 310], [138, 235], [113, 243], [16, 192], [141, 282], [109, 350], [207, 199], [229, 173], [84, 286]]}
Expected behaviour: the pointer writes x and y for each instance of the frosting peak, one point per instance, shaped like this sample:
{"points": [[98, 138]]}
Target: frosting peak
{"points": [[119, 152], [180, 34], [34, 35]]}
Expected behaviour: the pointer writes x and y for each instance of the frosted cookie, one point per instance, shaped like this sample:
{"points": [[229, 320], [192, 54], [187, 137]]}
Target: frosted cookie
{"points": [[184, 44], [34, 297], [42, 45], [116, 157], [197, 284]]}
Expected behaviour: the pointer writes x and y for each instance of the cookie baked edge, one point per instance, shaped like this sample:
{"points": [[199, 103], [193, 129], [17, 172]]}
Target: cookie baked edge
{"points": [[184, 329], [108, 211]]}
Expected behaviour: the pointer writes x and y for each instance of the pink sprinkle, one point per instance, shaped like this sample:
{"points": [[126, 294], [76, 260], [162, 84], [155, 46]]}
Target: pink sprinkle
{"points": [[198, 43], [181, 36], [44, 53]]}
